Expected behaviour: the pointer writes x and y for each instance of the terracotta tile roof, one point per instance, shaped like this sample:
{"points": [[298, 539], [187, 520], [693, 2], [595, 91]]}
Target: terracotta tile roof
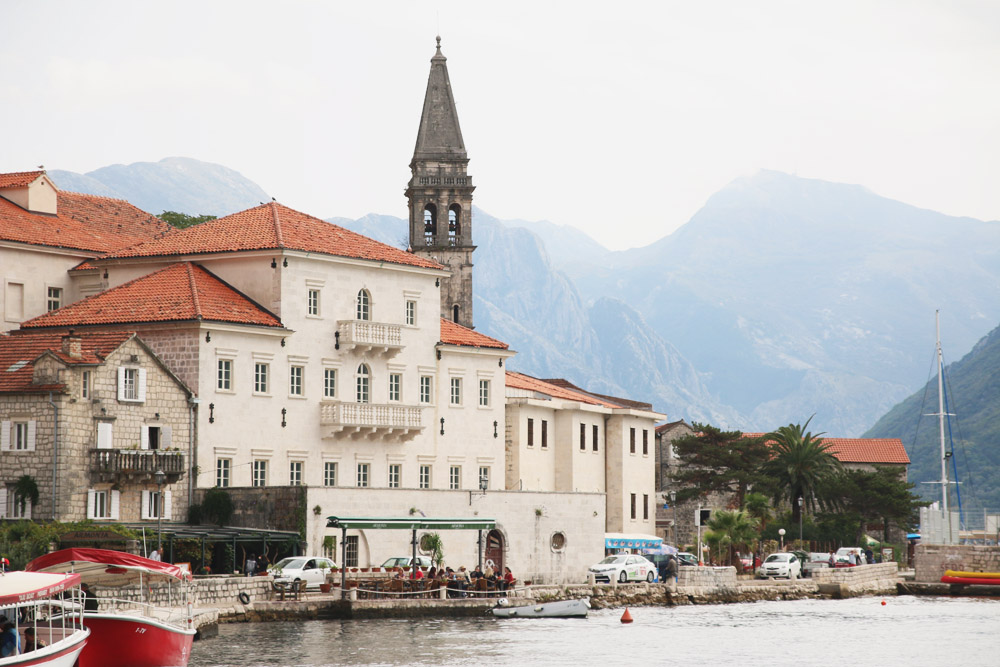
{"points": [[180, 292], [272, 226], [18, 179], [663, 427], [528, 383], [863, 450], [621, 402], [456, 334], [82, 222], [19, 350]]}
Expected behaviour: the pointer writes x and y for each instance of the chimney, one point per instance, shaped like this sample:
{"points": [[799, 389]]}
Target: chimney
{"points": [[72, 345]]}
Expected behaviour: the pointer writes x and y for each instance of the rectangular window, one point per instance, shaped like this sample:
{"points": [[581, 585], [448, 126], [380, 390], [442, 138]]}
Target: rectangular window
{"points": [[484, 478], [545, 434], [583, 437], [295, 377], [395, 386], [363, 470], [130, 385], [329, 383], [295, 473], [14, 303], [223, 468], [425, 477], [330, 473], [155, 504], [597, 433], [411, 313], [259, 473], [633, 505], [425, 389], [102, 504], [645, 507], [645, 442], [351, 551], [631, 441], [224, 377], [456, 391], [55, 297], [531, 432], [260, 372], [484, 393], [20, 434], [330, 547], [395, 472], [85, 385], [455, 477], [313, 302]]}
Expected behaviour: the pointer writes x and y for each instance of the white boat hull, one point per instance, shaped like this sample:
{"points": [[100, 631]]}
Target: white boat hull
{"points": [[559, 609]]}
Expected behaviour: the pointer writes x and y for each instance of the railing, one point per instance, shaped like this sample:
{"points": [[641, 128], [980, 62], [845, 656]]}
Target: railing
{"points": [[135, 462], [370, 419], [359, 333]]}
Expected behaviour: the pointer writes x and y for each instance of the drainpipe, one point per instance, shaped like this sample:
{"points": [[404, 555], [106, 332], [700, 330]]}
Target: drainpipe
{"points": [[192, 447], [55, 452]]}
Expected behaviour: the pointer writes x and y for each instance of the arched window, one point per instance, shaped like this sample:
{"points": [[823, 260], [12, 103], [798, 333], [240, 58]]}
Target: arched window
{"points": [[454, 313], [363, 383], [364, 305], [430, 223], [454, 222]]}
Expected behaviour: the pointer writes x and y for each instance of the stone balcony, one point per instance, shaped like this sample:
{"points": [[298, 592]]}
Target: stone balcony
{"points": [[370, 420], [374, 337], [135, 465]]}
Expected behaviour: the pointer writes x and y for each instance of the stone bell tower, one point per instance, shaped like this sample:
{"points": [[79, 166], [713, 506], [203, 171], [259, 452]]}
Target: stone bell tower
{"points": [[440, 194]]}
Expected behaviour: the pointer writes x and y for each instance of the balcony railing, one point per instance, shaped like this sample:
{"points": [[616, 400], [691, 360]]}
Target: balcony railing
{"points": [[135, 464], [370, 336], [369, 420]]}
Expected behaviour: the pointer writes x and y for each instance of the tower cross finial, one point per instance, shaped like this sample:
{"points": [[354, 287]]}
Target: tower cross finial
{"points": [[438, 38]]}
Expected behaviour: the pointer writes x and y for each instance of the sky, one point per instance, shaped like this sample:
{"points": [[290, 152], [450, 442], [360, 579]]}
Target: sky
{"points": [[620, 119]]}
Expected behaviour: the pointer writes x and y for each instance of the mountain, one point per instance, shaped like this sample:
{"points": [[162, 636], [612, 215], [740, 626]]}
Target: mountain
{"points": [[173, 184], [564, 244], [973, 391]]}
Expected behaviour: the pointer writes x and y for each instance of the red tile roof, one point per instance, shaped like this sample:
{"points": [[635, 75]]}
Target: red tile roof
{"points": [[621, 402], [19, 350], [18, 179], [528, 383], [82, 222], [456, 334], [863, 450], [180, 292], [272, 226]]}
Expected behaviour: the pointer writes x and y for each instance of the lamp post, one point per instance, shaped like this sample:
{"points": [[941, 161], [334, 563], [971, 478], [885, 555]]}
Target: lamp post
{"points": [[673, 504], [781, 536], [800, 522], [160, 479]]}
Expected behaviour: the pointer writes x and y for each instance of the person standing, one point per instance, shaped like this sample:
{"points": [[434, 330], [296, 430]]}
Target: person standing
{"points": [[251, 565], [672, 568], [10, 641], [90, 600]]}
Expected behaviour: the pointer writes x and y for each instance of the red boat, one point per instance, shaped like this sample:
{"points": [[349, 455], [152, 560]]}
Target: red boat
{"points": [[129, 632], [28, 600]]}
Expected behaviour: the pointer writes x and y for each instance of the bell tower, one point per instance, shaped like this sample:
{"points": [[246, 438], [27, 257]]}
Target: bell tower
{"points": [[440, 194]]}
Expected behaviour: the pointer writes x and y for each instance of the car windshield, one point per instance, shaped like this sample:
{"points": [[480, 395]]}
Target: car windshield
{"points": [[777, 558], [612, 559], [290, 564]]}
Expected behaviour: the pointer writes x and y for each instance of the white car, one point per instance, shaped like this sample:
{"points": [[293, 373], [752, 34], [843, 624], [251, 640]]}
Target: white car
{"points": [[783, 564], [310, 569], [623, 568]]}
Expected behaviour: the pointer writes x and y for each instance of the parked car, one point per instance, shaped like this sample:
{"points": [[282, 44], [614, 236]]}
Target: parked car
{"points": [[843, 556], [310, 569], [782, 564], [817, 561], [623, 568], [685, 558], [423, 562]]}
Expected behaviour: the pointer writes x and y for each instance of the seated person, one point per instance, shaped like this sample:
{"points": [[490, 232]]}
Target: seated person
{"points": [[10, 641], [31, 642]]}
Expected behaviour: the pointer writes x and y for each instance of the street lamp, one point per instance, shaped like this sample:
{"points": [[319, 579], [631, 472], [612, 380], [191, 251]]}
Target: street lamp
{"points": [[781, 536], [160, 479], [800, 522], [673, 504]]}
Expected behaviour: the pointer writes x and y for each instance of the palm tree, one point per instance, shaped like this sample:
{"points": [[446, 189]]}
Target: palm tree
{"points": [[801, 463], [733, 529]]}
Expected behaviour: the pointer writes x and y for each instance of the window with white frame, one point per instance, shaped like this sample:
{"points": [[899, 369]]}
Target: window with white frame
{"points": [[329, 383], [363, 310], [364, 470], [531, 432], [484, 393], [131, 384], [85, 384], [330, 473], [456, 391], [54, 298], [103, 504], [312, 301], [17, 435], [351, 551], [395, 473], [484, 477], [363, 384], [330, 547], [295, 473], [425, 477], [454, 477], [154, 504], [425, 389], [295, 380], [411, 313], [223, 472], [545, 434], [259, 473], [395, 386], [18, 507], [260, 379], [224, 375]]}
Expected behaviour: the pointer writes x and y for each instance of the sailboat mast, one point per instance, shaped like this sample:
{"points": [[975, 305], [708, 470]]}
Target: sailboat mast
{"points": [[940, 381]]}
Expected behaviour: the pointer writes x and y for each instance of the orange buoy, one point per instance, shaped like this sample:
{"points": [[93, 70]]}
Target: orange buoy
{"points": [[626, 617], [883, 603]]}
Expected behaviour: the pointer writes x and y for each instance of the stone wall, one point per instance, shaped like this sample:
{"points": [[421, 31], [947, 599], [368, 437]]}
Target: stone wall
{"points": [[875, 579], [266, 507], [205, 592], [931, 560]]}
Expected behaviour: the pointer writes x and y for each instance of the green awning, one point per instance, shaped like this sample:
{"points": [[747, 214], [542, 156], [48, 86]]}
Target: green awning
{"points": [[409, 523]]}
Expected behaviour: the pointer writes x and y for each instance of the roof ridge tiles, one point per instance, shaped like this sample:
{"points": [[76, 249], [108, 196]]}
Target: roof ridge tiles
{"points": [[277, 224], [194, 289]]}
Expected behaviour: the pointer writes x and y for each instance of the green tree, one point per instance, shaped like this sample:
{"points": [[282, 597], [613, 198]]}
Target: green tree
{"points": [[799, 465], [433, 544], [217, 506], [870, 496], [717, 461], [732, 529], [25, 489], [758, 506], [183, 220]]}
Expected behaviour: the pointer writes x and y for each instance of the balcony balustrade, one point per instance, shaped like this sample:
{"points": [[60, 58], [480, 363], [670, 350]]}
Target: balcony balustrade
{"points": [[364, 336], [114, 465], [370, 420]]}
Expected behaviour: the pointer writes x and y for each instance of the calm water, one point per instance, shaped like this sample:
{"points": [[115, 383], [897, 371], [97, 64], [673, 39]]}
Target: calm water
{"points": [[907, 631]]}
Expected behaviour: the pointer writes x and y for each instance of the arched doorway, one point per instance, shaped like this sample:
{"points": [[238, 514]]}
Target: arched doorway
{"points": [[494, 550]]}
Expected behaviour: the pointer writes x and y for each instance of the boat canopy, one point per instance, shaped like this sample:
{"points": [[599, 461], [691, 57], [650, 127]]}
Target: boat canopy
{"points": [[409, 523], [631, 541], [19, 587], [105, 567]]}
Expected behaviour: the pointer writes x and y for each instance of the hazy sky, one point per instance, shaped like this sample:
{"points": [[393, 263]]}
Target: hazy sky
{"points": [[618, 118]]}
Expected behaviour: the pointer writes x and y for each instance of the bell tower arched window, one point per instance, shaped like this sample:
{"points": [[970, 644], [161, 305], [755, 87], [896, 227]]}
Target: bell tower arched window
{"points": [[454, 223], [363, 384], [430, 223], [364, 311], [454, 313]]}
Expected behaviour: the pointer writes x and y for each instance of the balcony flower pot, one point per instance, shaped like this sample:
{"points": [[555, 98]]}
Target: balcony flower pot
{"points": [[324, 588]]}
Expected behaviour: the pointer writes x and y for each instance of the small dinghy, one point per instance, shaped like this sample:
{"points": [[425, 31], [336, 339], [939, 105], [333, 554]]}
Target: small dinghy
{"points": [[559, 609]]}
